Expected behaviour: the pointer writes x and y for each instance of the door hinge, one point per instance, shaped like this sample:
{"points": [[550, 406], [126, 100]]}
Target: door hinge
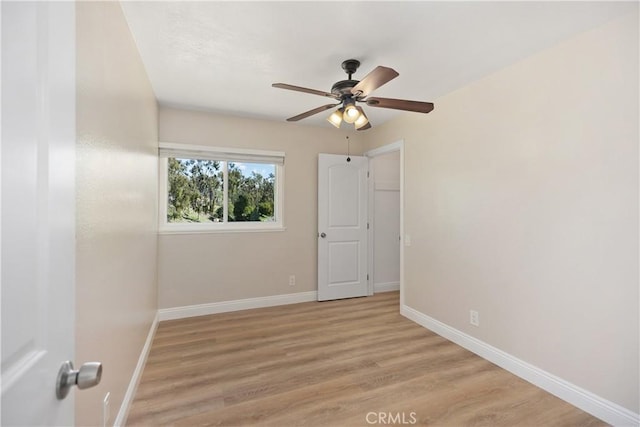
{"points": [[367, 277], [367, 174], [367, 226]]}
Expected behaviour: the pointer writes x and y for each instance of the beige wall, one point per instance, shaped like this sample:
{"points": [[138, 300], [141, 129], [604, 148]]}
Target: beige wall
{"points": [[116, 204], [205, 268], [522, 204]]}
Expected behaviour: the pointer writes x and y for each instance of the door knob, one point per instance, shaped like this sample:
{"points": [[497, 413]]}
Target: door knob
{"points": [[323, 235], [87, 376]]}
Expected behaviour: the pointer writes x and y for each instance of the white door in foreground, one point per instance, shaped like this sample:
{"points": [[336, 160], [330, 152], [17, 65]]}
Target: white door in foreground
{"points": [[38, 205], [342, 226]]}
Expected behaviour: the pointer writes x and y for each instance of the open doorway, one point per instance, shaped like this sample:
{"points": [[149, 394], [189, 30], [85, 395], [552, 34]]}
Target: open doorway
{"points": [[385, 218]]}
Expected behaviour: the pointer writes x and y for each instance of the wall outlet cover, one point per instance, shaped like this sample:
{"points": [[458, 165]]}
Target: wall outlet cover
{"points": [[474, 318]]}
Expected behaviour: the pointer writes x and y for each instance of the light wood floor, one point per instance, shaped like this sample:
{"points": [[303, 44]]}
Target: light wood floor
{"points": [[336, 363]]}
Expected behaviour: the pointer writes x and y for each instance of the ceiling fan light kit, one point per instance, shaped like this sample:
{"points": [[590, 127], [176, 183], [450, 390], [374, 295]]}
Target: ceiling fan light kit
{"points": [[362, 120], [336, 117], [349, 91], [351, 113]]}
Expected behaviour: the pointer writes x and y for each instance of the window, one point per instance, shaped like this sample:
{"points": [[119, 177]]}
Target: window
{"points": [[207, 189]]}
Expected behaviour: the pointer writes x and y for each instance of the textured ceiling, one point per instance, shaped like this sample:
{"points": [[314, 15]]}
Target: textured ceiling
{"points": [[224, 56]]}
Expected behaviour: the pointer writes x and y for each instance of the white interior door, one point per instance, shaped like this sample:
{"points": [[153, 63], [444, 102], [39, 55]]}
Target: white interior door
{"points": [[342, 227], [38, 206]]}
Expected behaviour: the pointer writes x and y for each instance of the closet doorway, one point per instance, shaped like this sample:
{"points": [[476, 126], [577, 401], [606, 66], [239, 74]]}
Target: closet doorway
{"points": [[385, 217]]}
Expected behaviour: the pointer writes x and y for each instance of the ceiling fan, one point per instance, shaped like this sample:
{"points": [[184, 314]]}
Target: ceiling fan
{"points": [[349, 92]]}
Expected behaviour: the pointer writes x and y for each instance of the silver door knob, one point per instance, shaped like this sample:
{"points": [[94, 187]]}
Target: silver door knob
{"points": [[323, 235], [87, 376]]}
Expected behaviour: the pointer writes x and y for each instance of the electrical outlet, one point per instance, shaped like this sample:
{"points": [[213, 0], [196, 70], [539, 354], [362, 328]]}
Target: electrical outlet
{"points": [[105, 410], [407, 240], [292, 280], [474, 318]]}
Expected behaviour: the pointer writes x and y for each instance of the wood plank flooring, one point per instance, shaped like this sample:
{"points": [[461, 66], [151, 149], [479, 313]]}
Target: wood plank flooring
{"points": [[353, 362]]}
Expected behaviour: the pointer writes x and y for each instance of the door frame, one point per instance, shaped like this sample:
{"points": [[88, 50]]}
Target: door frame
{"points": [[389, 148]]}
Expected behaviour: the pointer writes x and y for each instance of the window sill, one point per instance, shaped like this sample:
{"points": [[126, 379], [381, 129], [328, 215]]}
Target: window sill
{"points": [[163, 229]]}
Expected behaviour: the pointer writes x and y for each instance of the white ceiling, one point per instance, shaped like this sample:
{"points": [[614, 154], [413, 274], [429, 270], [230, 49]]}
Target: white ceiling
{"points": [[224, 56]]}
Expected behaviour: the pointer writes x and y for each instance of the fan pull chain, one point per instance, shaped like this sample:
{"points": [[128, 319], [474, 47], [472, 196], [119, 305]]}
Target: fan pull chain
{"points": [[348, 152]]}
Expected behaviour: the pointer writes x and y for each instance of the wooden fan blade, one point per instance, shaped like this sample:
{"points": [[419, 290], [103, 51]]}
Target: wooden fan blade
{"points": [[311, 112], [373, 80], [400, 104], [304, 89]]}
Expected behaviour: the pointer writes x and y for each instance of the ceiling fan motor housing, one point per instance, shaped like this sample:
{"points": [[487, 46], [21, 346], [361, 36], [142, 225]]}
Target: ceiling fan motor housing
{"points": [[343, 88]]}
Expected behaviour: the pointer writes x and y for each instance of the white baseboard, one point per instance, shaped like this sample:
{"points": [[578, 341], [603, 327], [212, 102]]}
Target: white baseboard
{"points": [[121, 418], [236, 305], [606, 410], [386, 287]]}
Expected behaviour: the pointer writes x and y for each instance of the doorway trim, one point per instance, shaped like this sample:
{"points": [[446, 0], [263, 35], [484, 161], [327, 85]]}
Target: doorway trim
{"points": [[389, 148]]}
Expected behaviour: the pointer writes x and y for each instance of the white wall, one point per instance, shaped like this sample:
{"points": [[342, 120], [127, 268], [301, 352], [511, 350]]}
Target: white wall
{"points": [[207, 268], [117, 173], [522, 203]]}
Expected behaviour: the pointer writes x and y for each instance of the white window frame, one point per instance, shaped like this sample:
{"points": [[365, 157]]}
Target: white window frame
{"points": [[222, 154]]}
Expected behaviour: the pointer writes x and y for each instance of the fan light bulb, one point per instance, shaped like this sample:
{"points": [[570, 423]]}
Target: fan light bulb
{"points": [[336, 118], [361, 120], [351, 113]]}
